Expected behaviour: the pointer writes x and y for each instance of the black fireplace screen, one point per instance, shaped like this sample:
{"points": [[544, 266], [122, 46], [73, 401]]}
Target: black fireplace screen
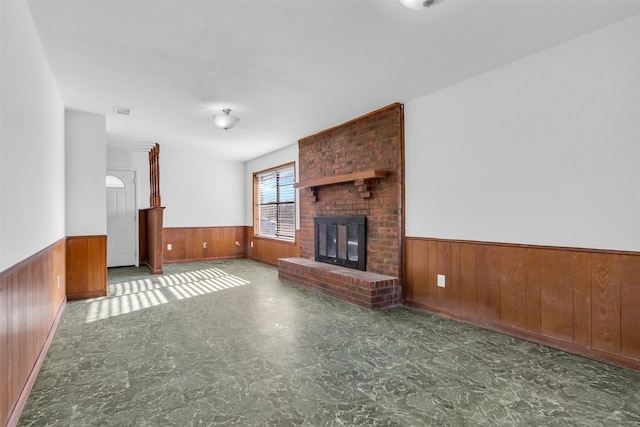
{"points": [[341, 240]]}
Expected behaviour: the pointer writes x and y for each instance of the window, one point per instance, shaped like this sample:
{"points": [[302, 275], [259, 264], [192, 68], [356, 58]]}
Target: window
{"points": [[275, 206], [114, 182]]}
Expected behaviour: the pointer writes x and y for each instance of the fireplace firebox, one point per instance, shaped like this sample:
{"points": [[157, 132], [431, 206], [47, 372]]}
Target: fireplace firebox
{"points": [[341, 240]]}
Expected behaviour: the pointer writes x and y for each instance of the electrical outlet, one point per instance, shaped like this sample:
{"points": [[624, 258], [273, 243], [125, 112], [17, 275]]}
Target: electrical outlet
{"points": [[204, 245], [169, 246], [251, 244], [441, 281]]}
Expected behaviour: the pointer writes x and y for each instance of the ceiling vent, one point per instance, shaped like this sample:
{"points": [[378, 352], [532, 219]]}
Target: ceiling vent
{"points": [[123, 111]]}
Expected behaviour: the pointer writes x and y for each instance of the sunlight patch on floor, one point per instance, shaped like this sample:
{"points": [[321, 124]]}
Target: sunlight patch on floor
{"points": [[133, 295]]}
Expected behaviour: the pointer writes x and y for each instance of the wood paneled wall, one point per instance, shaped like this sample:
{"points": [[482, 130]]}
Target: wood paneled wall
{"points": [[86, 266], [581, 301], [187, 243], [32, 297], [269, 250]]}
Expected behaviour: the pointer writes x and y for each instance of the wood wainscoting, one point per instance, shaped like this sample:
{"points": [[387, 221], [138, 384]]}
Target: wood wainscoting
{"points": [[577, 300], [32, 298], [268, 251], [86, 267], [188, 243]]}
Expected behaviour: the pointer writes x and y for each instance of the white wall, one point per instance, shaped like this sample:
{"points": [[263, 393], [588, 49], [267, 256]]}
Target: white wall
{"points": [[277, 158], [120, 158], [200, 190], [32, 182], [545, 150], [86, 165]]}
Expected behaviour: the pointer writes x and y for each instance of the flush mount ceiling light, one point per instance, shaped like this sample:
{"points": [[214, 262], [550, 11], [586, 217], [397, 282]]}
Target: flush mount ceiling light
{"points": [[419, 4], [225, 121]]}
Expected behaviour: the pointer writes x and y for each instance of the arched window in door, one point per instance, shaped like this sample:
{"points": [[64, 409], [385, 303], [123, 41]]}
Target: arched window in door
{"points": [[114, 182]]}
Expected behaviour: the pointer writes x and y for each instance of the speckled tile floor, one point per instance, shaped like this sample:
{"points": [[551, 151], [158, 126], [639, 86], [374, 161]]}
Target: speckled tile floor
{"points": [[228, 344]]}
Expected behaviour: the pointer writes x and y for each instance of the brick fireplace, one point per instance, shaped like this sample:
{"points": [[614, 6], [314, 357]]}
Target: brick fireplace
{"points": [[354, 169]]}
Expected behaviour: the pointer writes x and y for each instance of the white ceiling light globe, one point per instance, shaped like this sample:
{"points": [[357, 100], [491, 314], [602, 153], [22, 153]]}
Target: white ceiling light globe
{"points": [[225, 121], [419, 4]]}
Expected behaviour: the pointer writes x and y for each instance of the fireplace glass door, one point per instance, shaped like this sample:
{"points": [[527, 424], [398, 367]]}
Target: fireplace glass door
{"points": [[341, 241]]}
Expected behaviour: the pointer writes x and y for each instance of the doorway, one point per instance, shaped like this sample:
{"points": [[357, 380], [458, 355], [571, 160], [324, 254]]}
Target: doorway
{"points": [[122, 218]]}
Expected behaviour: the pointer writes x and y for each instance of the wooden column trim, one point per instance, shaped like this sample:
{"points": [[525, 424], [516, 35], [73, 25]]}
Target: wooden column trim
{"points": [[154, 239], [154, 176]]}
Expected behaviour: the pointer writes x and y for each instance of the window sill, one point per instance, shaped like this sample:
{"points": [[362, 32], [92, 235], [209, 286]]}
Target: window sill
{"points": [[274, 239]]}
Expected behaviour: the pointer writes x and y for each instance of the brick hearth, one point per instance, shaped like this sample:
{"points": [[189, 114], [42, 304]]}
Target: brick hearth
{"points": [[368, 290]]}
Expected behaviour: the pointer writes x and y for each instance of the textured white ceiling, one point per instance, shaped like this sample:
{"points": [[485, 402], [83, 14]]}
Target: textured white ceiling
{"points": [[288, 69]]}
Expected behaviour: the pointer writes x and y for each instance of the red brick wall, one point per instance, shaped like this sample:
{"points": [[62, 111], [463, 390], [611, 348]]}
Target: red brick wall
{"points": [[374, 141]]}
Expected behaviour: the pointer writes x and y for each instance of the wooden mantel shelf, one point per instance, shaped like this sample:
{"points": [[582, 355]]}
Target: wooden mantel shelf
{"points": [[339, 179], [360, 179]]}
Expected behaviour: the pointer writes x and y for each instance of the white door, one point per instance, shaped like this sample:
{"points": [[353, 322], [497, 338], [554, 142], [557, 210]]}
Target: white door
{"points": [[122, 218]]}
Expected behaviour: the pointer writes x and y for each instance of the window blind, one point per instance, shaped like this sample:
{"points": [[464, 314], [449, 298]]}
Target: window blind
{"points": [[276, 203]]}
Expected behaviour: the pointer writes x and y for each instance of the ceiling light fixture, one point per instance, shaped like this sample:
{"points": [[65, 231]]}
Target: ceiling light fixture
{"points": [[419, 4], [225, 121]]}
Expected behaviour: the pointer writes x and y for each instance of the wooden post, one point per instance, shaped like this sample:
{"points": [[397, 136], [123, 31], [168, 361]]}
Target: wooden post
{"points": [[154, 176]]}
